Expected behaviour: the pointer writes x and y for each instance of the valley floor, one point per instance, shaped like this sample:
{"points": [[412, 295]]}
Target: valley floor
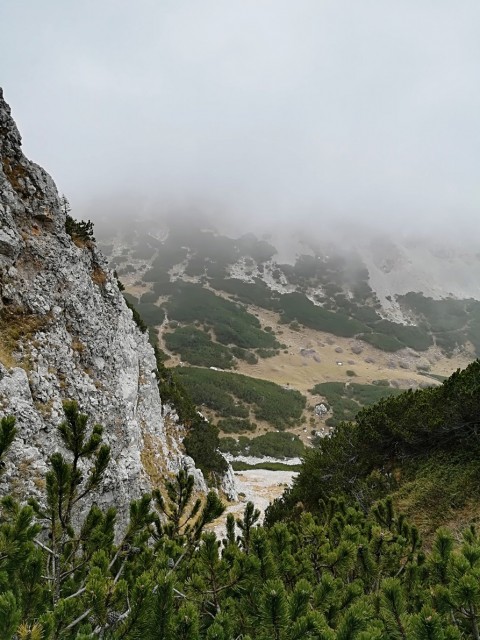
{"points": [[313, 357], [259, 486]]}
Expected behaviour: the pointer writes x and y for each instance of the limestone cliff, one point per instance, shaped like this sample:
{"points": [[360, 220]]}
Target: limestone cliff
{"points": [[66, 332]]}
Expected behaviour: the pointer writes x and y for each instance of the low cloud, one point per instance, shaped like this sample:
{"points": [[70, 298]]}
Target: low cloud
{"points": [[255, 111]]}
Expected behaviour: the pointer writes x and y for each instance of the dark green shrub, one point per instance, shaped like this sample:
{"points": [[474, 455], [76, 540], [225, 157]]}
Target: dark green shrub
{"points": [[235, 425], [152, 315], [136, 315], [266, 353], [149, 296], [270, 402], [243, 354], [197, 348], [79, 229], [272, 444], [231, 323], [201, 444], [382, 341]]}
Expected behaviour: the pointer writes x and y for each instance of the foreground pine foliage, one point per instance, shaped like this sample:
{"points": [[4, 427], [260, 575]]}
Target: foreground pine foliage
{"points": [[340, 575]]}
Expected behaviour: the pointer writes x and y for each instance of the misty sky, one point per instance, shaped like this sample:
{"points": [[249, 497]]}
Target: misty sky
{"points": [[260, 108]]}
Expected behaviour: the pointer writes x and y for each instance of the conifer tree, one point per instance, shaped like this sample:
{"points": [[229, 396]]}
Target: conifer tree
{"points": [[342, 573], [250, 518]]}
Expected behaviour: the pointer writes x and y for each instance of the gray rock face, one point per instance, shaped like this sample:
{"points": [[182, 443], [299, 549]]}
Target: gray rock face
{"points": [[66, 332], [320, 410]]}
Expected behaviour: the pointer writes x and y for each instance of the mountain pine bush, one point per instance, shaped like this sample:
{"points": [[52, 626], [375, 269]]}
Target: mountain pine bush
{"points": [[353, 569]]}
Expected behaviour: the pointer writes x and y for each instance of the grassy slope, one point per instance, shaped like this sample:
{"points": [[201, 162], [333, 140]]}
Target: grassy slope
{"points": [[420, 447]]}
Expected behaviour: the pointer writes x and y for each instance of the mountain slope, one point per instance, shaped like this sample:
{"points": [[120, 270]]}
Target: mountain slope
{"points": [[235, 304], [66, 332], [420, 447], [366, 289]]}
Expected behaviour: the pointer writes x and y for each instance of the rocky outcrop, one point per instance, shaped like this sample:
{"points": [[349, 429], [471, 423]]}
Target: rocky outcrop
{"points": [[66, 332]]}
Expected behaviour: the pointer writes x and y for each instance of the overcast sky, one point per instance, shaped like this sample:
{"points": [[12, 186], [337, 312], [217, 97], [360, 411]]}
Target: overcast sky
{"points": [[261, 108]]}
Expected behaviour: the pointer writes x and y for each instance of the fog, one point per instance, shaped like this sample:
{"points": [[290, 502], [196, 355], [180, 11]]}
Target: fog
{"points": [[254, 111]]}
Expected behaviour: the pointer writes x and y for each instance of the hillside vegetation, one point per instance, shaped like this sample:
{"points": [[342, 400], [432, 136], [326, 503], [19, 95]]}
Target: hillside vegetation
{"points": [[421, 447], [197, 348], [234, 402], [351, 570], [231, 394], [346, 399], [271, 444], [324, 292], [230, 322], [228, 303]]}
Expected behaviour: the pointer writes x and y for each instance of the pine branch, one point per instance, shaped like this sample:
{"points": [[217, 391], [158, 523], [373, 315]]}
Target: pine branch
{"points": [[78, 620], [77, 593], [44, 547]]}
